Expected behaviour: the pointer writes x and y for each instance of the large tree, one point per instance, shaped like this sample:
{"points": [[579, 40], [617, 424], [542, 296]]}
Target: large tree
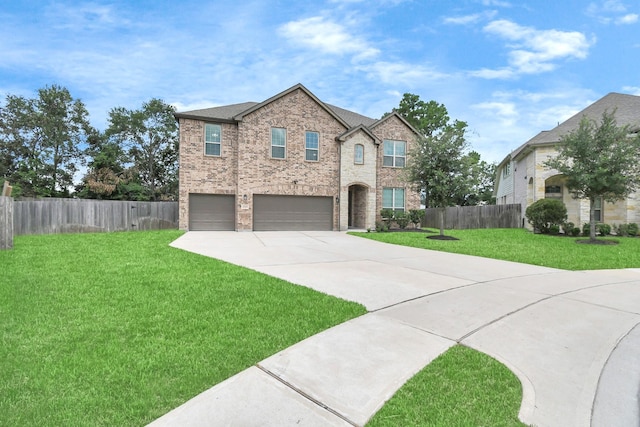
{"points": [[150, 137], [41, 141], [437, 167], [599, 160]]}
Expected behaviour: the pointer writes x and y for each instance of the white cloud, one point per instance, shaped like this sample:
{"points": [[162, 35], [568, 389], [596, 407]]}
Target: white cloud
{"points": [[632, 90], [630, 18], [611, 11], [470, 19], [534, 51], [499, 3], [327, 37], [399, 73]]}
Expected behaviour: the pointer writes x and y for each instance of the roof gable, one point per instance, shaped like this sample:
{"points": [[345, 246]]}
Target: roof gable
{"points": [[399, 117]]}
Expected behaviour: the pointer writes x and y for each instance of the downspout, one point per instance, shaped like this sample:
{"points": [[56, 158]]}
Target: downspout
{"points": [[337, 199]]}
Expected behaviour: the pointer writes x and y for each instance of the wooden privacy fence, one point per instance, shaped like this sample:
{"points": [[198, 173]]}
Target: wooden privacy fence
{"points": [[49, 216], [6, 222], [466, 217]]}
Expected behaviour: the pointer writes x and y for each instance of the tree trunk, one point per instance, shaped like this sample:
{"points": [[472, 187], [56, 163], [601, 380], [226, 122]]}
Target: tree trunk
{"points": [[441, 212], [592, 219]]}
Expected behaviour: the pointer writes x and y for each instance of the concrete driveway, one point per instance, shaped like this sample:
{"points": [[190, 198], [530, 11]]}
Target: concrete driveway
{"points": [[572, 338]]}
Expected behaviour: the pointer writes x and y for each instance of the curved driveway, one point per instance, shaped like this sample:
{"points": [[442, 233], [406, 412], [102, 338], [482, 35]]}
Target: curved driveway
{"points": [[568, 336]]}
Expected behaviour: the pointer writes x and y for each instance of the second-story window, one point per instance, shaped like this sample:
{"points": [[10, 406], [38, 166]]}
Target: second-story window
{"points": [[278, 143], [212, 140], [358, 154], [312, 146], [394, 153]]}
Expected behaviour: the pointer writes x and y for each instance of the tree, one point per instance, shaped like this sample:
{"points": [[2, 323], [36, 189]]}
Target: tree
{"points": [[41, 139], [481, 179], [437, 166], [150, 137], [425, 117], [599, 161]]}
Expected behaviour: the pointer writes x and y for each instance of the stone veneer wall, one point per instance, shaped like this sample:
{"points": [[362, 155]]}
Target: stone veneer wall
{"points": [[393, 128], [199, 173], [258, 173], [363, 175]]}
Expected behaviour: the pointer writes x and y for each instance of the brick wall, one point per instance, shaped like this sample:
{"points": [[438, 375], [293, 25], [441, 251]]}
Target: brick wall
{"points": [[393, 128], [258, 173], [205, 174]]}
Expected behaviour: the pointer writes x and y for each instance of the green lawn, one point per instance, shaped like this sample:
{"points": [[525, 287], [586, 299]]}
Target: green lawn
{"points": [[118, 329], [462, 387], [523, 246]]}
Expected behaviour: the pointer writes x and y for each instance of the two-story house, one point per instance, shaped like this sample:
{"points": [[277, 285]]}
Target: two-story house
{"points": [[291, 162], [523, 178]]}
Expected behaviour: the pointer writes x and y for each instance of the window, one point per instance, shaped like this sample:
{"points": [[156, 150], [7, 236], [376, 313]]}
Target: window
{"points": [[394, 153], [358, 154], [598, 209], [278, 142], [393, 198], [553, 192], [506, 171], [311, 145], [212, 138]]}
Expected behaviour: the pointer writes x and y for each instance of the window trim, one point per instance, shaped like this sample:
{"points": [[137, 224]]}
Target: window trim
{"points": [[598, 209], [506, 171], [213, 143], [283, 146], [393, 199], [394, 157], [355, 154], [307, 149]]}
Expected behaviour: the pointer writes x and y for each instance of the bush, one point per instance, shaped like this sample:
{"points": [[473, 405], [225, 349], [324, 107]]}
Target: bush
{"points": [[387, 215], [381, 227], [632, 229], [554, 229], [567, 228], [586, 229], [603, 229], [416, 216], [621, 230], [546, 212], [575, 232], [402, 219]]}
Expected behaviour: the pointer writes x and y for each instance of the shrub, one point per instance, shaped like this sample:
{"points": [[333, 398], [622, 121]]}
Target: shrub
{"points": [[387, 215], [546, 212], [586, 229], [402, 219], [381, 227], [554, 229], [416, 216], [603, 229], [621, 230], [575, 232], [632, 229], [567, 228]]}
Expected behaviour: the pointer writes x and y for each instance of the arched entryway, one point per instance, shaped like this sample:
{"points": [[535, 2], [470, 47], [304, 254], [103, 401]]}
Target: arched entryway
{"points": [[358, 206]]}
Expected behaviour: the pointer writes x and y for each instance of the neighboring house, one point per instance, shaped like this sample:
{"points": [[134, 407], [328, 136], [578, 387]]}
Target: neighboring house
{"points": [[291, 162], [522, 177]]}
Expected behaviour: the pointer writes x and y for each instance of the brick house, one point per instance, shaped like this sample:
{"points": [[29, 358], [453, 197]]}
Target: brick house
{"points": [[522, 177], [291, 162]]}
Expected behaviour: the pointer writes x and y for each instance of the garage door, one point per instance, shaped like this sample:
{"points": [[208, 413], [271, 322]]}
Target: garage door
{"points": [[292, 213], [211, 212]]}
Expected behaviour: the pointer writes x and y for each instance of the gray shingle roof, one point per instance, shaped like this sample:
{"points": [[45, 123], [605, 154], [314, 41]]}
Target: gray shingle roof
{"points": [[223, 112], [627, 112], [231, 113]]}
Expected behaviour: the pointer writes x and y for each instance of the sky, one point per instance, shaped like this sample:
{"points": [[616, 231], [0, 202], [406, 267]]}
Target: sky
{"points": [[510, 69]]}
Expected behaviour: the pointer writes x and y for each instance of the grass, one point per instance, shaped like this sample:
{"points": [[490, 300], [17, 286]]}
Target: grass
{"points": [[523, 246], [462, 387], [118, 329]]}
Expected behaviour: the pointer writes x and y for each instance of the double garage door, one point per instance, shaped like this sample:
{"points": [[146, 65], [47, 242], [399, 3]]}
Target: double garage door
{"points": [[270, 212]]}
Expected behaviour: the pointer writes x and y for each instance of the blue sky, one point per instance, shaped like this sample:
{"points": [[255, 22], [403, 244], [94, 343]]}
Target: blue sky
{"points": [[508, 68]]}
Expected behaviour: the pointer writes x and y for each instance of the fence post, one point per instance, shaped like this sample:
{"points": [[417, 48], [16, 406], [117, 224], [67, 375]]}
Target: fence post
{"points": [[6, 222]]}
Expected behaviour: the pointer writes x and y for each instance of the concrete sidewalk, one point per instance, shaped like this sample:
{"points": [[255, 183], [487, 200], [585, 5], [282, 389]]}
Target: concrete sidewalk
{"points": [[568, 336]]}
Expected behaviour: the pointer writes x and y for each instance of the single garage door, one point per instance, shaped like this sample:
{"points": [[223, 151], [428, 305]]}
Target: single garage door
{"points": [[292, 213], [211, 212]]}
